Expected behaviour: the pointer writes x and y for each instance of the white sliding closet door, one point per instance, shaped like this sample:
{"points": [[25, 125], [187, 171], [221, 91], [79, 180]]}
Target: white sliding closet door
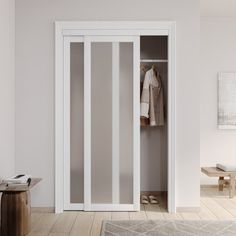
{"points": [[111, 123], [101, 101]]}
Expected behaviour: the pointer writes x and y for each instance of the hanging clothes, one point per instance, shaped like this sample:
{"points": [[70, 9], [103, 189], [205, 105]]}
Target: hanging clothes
{"points": [[152, 99]]}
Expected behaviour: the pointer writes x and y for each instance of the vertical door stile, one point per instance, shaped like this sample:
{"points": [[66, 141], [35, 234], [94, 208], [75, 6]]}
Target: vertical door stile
{"points": [[87, 123], [66, 123], [136, 123], [115, 124], [171, 121]]}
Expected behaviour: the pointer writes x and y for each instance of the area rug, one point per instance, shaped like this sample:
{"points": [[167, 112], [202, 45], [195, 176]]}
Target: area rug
{"points": [[169, 228]]}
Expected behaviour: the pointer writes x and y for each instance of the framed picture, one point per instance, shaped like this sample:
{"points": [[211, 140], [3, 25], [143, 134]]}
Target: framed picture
{"points": [[227, 100]]}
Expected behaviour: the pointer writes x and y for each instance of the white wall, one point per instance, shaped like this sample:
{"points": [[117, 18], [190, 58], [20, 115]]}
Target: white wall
{"points": [[7, 87], [218, 53], [35, 83], [219, 8]]}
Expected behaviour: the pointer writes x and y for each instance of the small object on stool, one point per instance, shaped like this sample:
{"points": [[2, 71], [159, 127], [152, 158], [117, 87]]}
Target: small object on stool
{"points": [[226, 167]]}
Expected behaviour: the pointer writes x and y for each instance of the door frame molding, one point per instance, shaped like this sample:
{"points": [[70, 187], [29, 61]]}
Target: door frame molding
{"points": [[113, 28]]}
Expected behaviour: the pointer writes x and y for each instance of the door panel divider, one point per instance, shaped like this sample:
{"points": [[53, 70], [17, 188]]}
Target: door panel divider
{"points": [[87, 123], [136, 124], [115, 124]]}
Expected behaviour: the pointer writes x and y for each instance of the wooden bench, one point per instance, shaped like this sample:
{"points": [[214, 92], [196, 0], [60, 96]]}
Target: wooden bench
{"points": [[216, 172]]}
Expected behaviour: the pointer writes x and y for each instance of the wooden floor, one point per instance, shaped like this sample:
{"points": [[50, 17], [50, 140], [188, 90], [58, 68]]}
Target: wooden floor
{"points": [[214, 205]]}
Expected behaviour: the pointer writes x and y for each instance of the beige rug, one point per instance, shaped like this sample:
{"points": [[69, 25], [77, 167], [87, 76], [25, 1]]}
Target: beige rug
{"points": [[169, 227]]}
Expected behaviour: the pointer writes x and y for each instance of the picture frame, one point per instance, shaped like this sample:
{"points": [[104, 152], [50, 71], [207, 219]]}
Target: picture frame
{"points": [[226, 100]]}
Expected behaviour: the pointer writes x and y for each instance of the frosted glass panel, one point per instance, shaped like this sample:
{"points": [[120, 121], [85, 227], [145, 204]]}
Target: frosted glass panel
{"points": [[112, 123], [126, 123], [101, 127], [77, 123]]}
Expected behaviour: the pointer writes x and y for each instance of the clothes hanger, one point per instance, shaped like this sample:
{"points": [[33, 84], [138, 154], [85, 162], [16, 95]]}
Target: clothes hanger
{"points": [[154, 68], [143, 68]]}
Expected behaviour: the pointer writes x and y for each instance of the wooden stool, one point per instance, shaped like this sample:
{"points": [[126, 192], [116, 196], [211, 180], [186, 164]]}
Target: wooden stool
{"points": [[15, 210]]}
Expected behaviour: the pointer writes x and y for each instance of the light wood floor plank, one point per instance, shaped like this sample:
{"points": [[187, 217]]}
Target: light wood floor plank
{"points": [[206, 214], [35, 217], [97, 222], [163, 209], [204, 192], [214, 205], [58, 234], [37, 234], [139, 215], [120, 216], [153, 212], [190, 216], [223, 201], [216, 209], [64, 222], [214, 192], [45, 223], [83, 224], [172, 216]]}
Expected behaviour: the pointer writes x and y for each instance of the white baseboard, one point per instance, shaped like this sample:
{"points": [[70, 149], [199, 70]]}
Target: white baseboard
{"points": [[209, 186]]}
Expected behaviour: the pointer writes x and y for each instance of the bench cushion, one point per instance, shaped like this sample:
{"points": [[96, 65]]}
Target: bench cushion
{"points": [[226, 167]]}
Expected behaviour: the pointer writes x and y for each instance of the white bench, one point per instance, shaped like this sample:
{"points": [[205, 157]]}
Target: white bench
{"points": [[216, 172]]}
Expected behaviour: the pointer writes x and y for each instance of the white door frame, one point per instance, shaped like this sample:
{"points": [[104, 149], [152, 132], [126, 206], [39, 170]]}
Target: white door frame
{"points": [[75, 29]]}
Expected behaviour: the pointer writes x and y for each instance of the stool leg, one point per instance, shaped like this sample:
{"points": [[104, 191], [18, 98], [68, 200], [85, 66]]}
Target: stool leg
{"points": [[221, 182], [232, 187]]}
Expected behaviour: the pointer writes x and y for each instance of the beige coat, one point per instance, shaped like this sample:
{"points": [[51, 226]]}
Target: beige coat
{"points": [[152, 99]]}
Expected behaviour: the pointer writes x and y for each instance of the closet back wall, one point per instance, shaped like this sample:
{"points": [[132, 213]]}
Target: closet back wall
{"points": [[35, 83]]}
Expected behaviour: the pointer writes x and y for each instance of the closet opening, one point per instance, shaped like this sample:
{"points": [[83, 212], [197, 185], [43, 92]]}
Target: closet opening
{"points": [[154, 122]]}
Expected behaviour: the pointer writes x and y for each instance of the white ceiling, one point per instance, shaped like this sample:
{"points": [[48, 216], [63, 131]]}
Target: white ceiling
{"points": [[218, 8]]}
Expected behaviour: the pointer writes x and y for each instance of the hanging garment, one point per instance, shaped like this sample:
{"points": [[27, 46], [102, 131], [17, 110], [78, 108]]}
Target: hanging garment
{"points": [[144, 121], [152, 99]]}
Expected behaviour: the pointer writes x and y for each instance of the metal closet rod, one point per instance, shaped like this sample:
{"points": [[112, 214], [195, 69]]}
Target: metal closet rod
{"points": [[153, 60]]}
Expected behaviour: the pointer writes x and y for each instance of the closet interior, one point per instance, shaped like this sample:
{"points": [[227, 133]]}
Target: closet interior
{"points": [[153, 137], [104, 145]]}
